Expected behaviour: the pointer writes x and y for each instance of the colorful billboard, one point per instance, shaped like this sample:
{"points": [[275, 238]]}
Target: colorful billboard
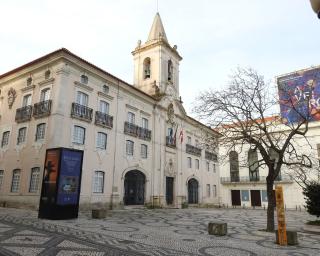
{"points": [[299, 96], [69, 178]]}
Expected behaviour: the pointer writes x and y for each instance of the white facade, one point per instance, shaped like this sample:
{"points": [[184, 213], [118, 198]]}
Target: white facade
{"points": [[252, 190], [125, 131]]}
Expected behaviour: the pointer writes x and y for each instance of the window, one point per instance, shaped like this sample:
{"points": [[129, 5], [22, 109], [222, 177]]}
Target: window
{"points": [[147, 68], [208, 190], [5, 139], [253, 165], [214, 190], [234, 166], [84, 79], [129, 147], [101, 140], [82, 98], [131, 118], [41, 129], [26, 100], [104, 107], [47, 74], [98, 182], [189, 162], [208, 166], [170, 70], [214, 167], [45, 94], [145, 123], [197, 164], [144, 151], [15, 181], [22, 135], [105, 89], [29, 81], [34, 180], [78, 134], [1, 177], [196, 142], [188, 140]]}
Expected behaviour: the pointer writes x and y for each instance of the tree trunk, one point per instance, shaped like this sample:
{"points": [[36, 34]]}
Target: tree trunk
{"points": [[271, 204]]}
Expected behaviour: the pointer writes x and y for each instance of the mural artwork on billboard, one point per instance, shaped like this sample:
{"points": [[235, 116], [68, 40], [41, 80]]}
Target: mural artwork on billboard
{"points": [[299, 96]]}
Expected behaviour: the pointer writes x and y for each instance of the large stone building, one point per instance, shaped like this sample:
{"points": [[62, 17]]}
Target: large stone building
{"points": [[139, 144]]}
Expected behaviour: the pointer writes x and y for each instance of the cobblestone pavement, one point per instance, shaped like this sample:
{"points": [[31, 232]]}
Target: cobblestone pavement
{"points": [[150, 232]]}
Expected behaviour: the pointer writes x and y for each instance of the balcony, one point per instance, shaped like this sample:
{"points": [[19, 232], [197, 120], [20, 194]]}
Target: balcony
{"points": [[81, 112], [211, 156], [23, 114], [136, 131], [42, 109], [170, 142], [144, 133], [103, 120], [131, 129], [259, 179], [193, 150]]}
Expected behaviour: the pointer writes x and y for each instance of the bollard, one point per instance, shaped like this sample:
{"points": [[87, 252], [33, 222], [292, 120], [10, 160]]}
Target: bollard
{"points": [[300, 208]]}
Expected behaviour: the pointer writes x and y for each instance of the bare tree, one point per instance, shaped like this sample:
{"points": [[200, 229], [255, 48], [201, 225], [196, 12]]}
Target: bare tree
{"points": [[246, 113]]}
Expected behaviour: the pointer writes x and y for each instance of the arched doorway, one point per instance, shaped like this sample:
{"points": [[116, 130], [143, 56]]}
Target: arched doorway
{"points": [[134, 188], [193, 187]]}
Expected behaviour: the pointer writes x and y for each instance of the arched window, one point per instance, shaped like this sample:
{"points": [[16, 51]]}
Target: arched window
{"points": [[98, 182], [147, 68], [253, 165], [129, 147], [170, 70], [15, 183], [105, 89], [29, 81], [234, 166], [34, 180]]}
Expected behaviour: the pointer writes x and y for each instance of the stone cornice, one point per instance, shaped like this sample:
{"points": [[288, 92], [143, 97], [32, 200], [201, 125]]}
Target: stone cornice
{"points": [[83, 86], [28, 88], [105, 96], [46, 82]]}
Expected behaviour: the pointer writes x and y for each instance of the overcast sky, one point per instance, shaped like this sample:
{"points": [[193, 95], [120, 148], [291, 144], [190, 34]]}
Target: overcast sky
{"points": [[213, 36]]}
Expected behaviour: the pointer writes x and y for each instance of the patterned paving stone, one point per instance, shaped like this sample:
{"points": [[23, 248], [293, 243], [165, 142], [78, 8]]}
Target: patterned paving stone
{"points": [[160, 232]]}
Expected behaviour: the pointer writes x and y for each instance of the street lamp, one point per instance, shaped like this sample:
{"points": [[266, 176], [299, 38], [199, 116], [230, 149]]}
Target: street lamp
{"points": [[315, 4]]}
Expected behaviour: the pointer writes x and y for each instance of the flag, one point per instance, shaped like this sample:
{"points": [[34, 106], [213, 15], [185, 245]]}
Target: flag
{"points": [[175, 135], [181, 136]]}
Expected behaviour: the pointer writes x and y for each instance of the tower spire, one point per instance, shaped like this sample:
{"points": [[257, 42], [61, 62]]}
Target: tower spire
{"points": [[157, 30]]}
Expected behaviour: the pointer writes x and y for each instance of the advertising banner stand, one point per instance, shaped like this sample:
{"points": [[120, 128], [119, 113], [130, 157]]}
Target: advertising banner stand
{"points": [[61, 183]]}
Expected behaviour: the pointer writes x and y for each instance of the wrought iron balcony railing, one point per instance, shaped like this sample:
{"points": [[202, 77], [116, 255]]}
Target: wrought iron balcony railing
{"points": [[193, 150], [171, 142], [131, 129], [259, 179], [23, 114], [81, 112], [42, 109], [211, 156], [144, 133], [103, 120]]}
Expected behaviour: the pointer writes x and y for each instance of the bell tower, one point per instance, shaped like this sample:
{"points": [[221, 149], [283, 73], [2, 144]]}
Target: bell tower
{"points": [[156, 63]]}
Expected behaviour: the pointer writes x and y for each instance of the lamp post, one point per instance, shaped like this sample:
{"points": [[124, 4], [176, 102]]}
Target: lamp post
{"points": [[315, 4]]}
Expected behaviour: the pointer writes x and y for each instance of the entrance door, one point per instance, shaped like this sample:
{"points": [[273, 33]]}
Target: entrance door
{"points": [[193, 187], [235, 197], [255, 197], [134, 188], [169, 190]]}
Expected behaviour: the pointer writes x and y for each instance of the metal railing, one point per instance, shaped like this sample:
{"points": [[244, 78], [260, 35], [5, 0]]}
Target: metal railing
{"points": [[144, 133], [103, 119], [190, 149], [171, 142], [23, 114], [81, 112], [42, 109], [260, 179], [131, 129], [211, 156]]}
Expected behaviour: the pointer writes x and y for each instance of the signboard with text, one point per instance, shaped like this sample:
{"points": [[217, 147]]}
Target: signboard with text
{"points": [[61, 184]]}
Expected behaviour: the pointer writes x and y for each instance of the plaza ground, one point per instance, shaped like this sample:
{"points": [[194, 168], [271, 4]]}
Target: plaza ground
{"points": [[150, 232]]}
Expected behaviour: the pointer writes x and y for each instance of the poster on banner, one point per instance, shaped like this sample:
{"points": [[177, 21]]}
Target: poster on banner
{"points": [[299, 96], [69, 178]]}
